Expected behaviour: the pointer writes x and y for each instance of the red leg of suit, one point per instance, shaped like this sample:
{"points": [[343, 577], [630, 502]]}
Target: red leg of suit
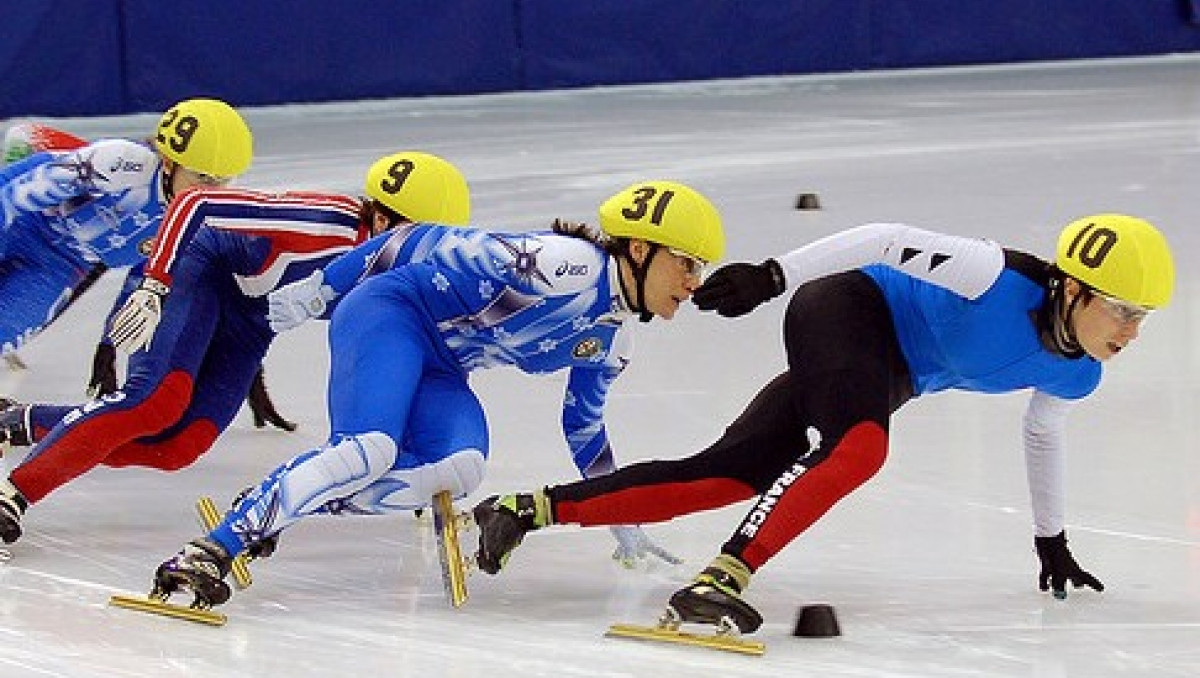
{"points": [[176, 452], [763, 533], [78, 444]]}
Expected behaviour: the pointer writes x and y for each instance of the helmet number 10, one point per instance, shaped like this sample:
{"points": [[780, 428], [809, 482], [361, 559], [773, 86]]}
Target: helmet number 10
{"points": [[642, 199], [1092, 245], [180, 129]]}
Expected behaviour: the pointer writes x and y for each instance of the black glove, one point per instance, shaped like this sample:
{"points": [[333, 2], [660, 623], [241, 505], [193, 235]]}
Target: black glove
{"points": [[1058, 566], [104, 371], [736, 289], [262, 408]]}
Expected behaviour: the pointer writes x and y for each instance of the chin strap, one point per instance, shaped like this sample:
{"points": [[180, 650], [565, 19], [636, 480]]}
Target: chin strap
{"points": [[1056, 328], [639, 278], [167, 183]]}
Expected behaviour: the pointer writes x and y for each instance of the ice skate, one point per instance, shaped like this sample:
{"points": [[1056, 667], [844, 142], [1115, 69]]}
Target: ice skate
{"points": [[200, 567], [503, 522], [713, 599], [14, 425], [12, 507]]}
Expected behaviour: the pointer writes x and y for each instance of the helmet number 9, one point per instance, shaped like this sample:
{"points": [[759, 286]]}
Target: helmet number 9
{"points": [[642, 198], [177, 132], [397, 174], [1092, 245]]}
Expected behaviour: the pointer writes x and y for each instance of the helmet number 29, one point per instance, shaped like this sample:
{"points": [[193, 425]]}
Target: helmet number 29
{"points": [[642, 199], [1092, 245], [180, 130]]}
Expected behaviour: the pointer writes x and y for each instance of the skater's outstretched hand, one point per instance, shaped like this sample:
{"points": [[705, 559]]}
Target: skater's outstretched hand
{"points": [[738, 288], [1059, 566], [634, 546]]}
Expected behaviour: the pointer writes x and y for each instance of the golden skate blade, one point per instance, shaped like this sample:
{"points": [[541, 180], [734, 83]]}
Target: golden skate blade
{"points": [[209, 518], [155, 606], [665, 635], [445, 530]]}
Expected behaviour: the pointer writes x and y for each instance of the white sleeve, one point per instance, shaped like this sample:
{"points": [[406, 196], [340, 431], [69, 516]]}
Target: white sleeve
{"points": [[1045, 461], [966, 266]]}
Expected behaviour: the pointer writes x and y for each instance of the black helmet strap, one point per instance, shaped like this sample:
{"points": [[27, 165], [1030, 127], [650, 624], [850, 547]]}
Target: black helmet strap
{"points": [[639, 272]]}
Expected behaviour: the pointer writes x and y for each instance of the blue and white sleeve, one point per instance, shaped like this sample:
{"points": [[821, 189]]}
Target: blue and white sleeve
{"points": [[346, 271], [35, 184], [583, 419]]}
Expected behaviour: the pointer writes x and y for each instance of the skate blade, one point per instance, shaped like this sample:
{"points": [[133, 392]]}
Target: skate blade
{"points": [[445, 529], [156, 606], [727, 643], [209, 518]]}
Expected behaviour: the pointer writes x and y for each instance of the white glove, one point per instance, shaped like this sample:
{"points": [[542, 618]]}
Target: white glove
{"points": [[295, 303], [635, 546], [134, 325]]}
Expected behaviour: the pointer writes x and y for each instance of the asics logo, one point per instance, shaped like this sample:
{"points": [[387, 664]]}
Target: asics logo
{"points": [[123, 165], [567, 268]]}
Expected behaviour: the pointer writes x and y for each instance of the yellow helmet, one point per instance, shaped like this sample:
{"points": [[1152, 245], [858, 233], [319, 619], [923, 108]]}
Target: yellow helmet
{"points": [[1121, 256], [207, 136], [666, 213], [422, 187]]}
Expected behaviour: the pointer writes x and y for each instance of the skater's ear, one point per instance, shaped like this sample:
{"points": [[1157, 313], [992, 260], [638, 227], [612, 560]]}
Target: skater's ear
{"points": [[638, 250]]}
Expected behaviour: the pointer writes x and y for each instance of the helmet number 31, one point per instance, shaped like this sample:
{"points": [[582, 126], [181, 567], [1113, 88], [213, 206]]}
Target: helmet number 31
{"points": [[642, 199]]}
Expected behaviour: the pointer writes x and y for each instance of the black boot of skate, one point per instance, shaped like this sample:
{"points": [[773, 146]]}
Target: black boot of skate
{"points": [[12, 507], [201, 568], [714, 598], [503, 522], [14, 425]]}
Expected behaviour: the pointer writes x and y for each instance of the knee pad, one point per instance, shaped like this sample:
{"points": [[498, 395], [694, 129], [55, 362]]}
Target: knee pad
{"points": [[335, 471], [413, 487], [459, 473], [365, 455]]}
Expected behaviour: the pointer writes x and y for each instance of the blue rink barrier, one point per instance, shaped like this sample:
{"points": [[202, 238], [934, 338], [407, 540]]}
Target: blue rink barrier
{"points": [[91, 57]]}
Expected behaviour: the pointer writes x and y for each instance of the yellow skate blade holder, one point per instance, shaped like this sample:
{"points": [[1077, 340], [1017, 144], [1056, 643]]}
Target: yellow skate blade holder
{"points": [[209, 518], [664, 634], [152, 605], [446, 526]]}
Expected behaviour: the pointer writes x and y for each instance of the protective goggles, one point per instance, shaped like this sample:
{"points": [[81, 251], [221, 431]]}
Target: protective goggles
{"points": [[207, 179], [1123, 311], [692, 264]]}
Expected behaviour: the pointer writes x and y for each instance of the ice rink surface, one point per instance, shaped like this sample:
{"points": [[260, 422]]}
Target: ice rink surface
{"points": [[930, 566]]}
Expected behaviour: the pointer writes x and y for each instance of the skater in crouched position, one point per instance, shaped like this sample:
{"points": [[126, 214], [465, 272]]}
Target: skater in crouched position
{"points": [[68, 211], [25, 139], [883, 313], [405, 424], [196, 327]]}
